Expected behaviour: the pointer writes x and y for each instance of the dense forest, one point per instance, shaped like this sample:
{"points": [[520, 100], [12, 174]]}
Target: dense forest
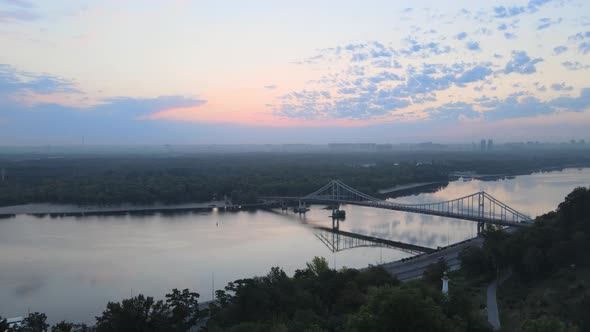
{"points": [[318, 298], [549, 289], [140, 179]]}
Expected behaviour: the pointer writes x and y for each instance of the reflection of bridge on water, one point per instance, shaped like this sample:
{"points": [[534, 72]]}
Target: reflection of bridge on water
{"points": [[337, 240]]}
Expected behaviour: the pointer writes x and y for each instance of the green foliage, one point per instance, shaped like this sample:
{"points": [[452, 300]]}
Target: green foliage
{"points": [[434, 272], [546, 324], [3, 324], [107, 180], [321, 299], [400, 309], [185, 309], [34, 322], [540, 254], [318, 265], [62, 326], [476, 261], [140, 313]]}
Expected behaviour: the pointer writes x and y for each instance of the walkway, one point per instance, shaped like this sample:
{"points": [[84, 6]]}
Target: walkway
{"points": [[492, 303]]}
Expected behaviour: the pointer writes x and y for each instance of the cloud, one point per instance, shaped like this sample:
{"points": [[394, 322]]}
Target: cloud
{"points": [[573, 104], [461, 35], [584, 47], [472, 45], [17, 15], [270, 87], [503, 12], [515, 106], [579, 36], [474, 74], [546, 22], [574, 65], [521, 63], [511, 11], [561, 87], [18, 3], [13, 80], [509, 35], [453, 111], [559, 49]]}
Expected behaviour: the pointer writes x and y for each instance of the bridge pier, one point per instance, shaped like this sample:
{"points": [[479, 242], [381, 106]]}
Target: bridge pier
{"points": [[335, 223], [301, 208], [480, 228]]}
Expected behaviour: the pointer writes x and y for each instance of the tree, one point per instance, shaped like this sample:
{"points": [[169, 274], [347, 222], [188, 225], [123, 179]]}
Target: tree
{"points": [[62, 326], [185, 309], [138, 314], [434, 272], [475, 261], [34, 322], [3, 324], [400, 309], [317, 266], [546, 324]]}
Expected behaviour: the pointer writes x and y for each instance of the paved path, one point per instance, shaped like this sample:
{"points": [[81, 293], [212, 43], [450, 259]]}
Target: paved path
{"points": [[492, 303]]}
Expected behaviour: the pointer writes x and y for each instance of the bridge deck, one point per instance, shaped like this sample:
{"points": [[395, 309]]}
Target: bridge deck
{"points": [[398, 207]]}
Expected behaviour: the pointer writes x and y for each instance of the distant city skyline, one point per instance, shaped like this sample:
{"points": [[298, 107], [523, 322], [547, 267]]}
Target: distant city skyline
{"points": [[227, 72]]}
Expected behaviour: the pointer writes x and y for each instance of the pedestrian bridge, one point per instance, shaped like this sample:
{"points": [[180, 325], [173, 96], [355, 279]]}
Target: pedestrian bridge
{"points": [[479, 207]]}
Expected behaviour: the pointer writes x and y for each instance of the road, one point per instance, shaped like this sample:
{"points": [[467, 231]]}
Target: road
{"points": [[413, 268]]}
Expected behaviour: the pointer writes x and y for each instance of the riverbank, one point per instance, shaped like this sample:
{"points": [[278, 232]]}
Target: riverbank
{"points": [[76, 210]]}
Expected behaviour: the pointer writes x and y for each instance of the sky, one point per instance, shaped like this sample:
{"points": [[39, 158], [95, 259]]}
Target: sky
{"points": [[226, 72]]}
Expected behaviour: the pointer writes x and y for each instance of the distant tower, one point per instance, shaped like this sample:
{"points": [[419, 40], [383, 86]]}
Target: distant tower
{"points": [[482, 145], [445, 284], [490, 144], [3, 174]]}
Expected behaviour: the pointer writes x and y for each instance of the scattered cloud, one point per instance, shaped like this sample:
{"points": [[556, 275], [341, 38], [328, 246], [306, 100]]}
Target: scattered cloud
{"points": [[515, 106], [559, 49], [521, 63], [546, 22], [574, 65], [472, 45], [8, 16], [503, 12], [579, 36], [509, 35], [270, 87], [584, 47], [561, 87], [573, 104], [461, 35], [18, 3]]}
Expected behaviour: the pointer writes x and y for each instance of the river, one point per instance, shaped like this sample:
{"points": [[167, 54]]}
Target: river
{"points": [[70, 267]]}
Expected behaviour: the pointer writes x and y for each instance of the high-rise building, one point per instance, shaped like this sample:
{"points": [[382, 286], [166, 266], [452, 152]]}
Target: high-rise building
{"points": [[482, 145], [490, 144]]}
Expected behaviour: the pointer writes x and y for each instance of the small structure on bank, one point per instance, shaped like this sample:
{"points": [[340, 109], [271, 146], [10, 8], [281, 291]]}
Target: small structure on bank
{"points": [[445, 284]]}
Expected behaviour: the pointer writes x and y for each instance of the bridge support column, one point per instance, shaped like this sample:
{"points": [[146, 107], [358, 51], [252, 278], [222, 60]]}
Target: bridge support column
{"points": [[480, 228]]}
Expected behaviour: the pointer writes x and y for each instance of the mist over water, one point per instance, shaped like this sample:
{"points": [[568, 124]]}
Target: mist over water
{"points": [[71, 267]]}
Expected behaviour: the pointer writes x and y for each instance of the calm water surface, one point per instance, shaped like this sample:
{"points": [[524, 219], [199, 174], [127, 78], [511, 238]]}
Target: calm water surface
{"points": [[71, 267]]}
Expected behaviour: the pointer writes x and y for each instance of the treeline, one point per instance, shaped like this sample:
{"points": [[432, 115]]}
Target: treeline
{"points": [[316, 298], [242, 177], [558, 241]]}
